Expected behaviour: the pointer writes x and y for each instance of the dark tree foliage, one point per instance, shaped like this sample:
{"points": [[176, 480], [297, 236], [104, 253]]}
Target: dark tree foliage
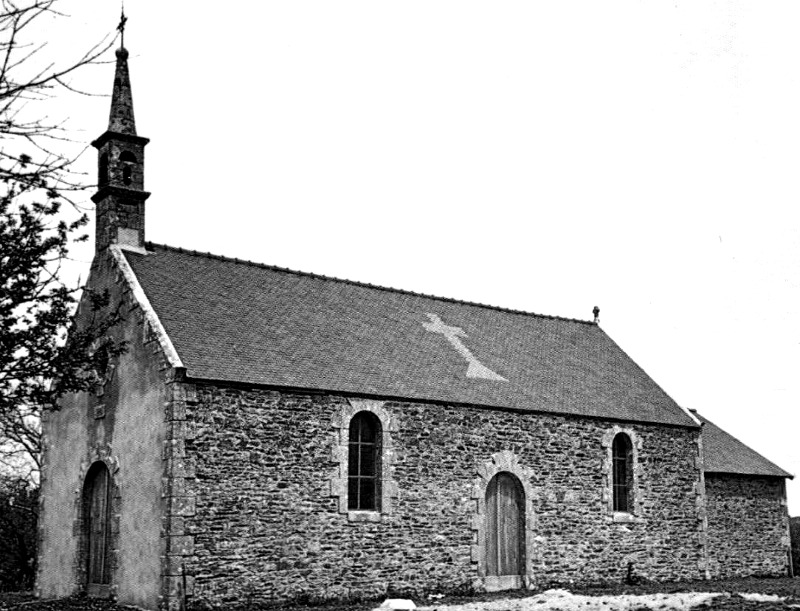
{"points": [[40, 217], [18, 511], [37, 363]]}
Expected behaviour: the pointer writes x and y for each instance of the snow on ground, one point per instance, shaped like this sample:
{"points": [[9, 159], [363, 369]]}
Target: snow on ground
{"points": [[562, 600], [763, 598]]}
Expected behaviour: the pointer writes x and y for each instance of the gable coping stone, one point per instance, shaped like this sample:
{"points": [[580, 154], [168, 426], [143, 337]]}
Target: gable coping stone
{"points": [[151, 318]]}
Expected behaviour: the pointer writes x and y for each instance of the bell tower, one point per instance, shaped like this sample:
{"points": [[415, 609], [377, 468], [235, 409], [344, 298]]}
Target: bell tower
{"points": [[120, 197]]}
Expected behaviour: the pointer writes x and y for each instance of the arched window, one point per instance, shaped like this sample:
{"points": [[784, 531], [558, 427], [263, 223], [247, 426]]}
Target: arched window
{"points": [[128, 160], [96, 514], [622, 464], [102, 170], [364, 463]]}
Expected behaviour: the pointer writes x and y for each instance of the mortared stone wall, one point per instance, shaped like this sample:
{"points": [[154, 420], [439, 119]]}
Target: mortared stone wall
{"points": [[268, 519], [748, 526]]}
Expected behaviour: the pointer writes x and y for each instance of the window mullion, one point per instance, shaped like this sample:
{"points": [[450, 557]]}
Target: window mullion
{"points": [[358, 471]]}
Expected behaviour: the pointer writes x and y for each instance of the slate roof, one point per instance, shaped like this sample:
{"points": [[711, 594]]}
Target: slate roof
{"points": [[723, 453], [243, 322]]}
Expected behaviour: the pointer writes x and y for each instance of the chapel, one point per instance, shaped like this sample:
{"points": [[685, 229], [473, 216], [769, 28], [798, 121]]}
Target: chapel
{"points": [[272, 435]]}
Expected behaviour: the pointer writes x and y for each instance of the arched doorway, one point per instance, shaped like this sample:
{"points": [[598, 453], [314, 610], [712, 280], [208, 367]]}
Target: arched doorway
{"points": [[96, 514], [505, 532]]}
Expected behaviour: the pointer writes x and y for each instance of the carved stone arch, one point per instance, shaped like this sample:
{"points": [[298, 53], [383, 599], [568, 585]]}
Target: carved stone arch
{"points": [[608, 474], [341, 425], [501, 462], [100, 455]]}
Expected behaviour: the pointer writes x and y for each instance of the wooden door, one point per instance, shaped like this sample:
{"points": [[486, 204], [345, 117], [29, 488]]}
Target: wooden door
{"points": [[97, 491], [505, 526]]}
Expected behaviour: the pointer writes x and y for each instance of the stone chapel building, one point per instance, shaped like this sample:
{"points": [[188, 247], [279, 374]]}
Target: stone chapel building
{"points": [[270, 435]]}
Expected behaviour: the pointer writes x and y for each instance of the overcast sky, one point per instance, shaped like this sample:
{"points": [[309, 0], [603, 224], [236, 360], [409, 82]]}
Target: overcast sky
{"points": [[543, 156]]}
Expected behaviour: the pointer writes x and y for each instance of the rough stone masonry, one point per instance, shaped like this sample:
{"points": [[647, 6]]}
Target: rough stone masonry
{"points": [[268, 522]]}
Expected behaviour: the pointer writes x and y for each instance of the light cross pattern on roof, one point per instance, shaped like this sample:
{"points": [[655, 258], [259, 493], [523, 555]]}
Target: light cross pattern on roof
{"points": [[476, 369]]}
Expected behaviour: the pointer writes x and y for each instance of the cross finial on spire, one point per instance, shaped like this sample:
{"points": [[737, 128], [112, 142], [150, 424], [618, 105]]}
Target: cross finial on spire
{"points": [[121, 119], [121, 27]]}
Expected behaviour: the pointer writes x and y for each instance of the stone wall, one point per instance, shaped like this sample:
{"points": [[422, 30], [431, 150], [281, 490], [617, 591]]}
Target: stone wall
{"points": [[748, 526], [263, 473]]}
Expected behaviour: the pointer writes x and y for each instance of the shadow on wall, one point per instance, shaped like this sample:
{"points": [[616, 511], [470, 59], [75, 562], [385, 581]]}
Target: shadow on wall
{"points": [[794, 527]]}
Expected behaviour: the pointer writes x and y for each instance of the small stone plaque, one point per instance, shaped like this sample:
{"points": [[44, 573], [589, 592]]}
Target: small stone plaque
{"points": [[99, 411]]}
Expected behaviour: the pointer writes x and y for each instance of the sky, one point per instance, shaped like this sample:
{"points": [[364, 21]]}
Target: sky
{"points": [[544, 156]]}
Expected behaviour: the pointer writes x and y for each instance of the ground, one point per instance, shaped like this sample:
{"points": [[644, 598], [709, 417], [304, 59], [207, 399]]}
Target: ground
{"points": [[786, 588]]}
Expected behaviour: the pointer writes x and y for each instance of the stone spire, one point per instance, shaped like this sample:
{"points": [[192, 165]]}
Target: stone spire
{"points": [[121, 119], [120, 196]]}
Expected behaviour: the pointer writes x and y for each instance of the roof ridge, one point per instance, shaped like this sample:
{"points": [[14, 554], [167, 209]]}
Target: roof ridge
{"points": [[153, 245]]}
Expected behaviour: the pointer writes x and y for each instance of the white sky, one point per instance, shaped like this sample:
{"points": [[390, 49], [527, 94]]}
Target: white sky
{"points": [[546, 156]]}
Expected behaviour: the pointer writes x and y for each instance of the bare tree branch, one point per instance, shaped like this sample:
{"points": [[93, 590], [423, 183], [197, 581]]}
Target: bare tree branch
{"points": [[37, 363]]}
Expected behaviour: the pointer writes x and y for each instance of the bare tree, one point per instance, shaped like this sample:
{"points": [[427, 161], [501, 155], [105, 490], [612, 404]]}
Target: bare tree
{"points": [[40, 217]]}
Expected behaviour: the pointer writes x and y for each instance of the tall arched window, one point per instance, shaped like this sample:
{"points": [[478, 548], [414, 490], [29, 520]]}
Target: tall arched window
{"points": [[364, 463], [128, 160], [622, 459]]}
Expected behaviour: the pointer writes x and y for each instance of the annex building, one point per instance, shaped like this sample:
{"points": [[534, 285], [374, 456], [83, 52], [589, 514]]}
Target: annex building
{"points": [[272, 435]]}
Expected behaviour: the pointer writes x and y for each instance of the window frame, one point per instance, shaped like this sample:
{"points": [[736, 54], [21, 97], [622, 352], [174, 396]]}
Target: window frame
{"points": [[340, 420], [364, 471], [633, 511], [622, 469]]}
